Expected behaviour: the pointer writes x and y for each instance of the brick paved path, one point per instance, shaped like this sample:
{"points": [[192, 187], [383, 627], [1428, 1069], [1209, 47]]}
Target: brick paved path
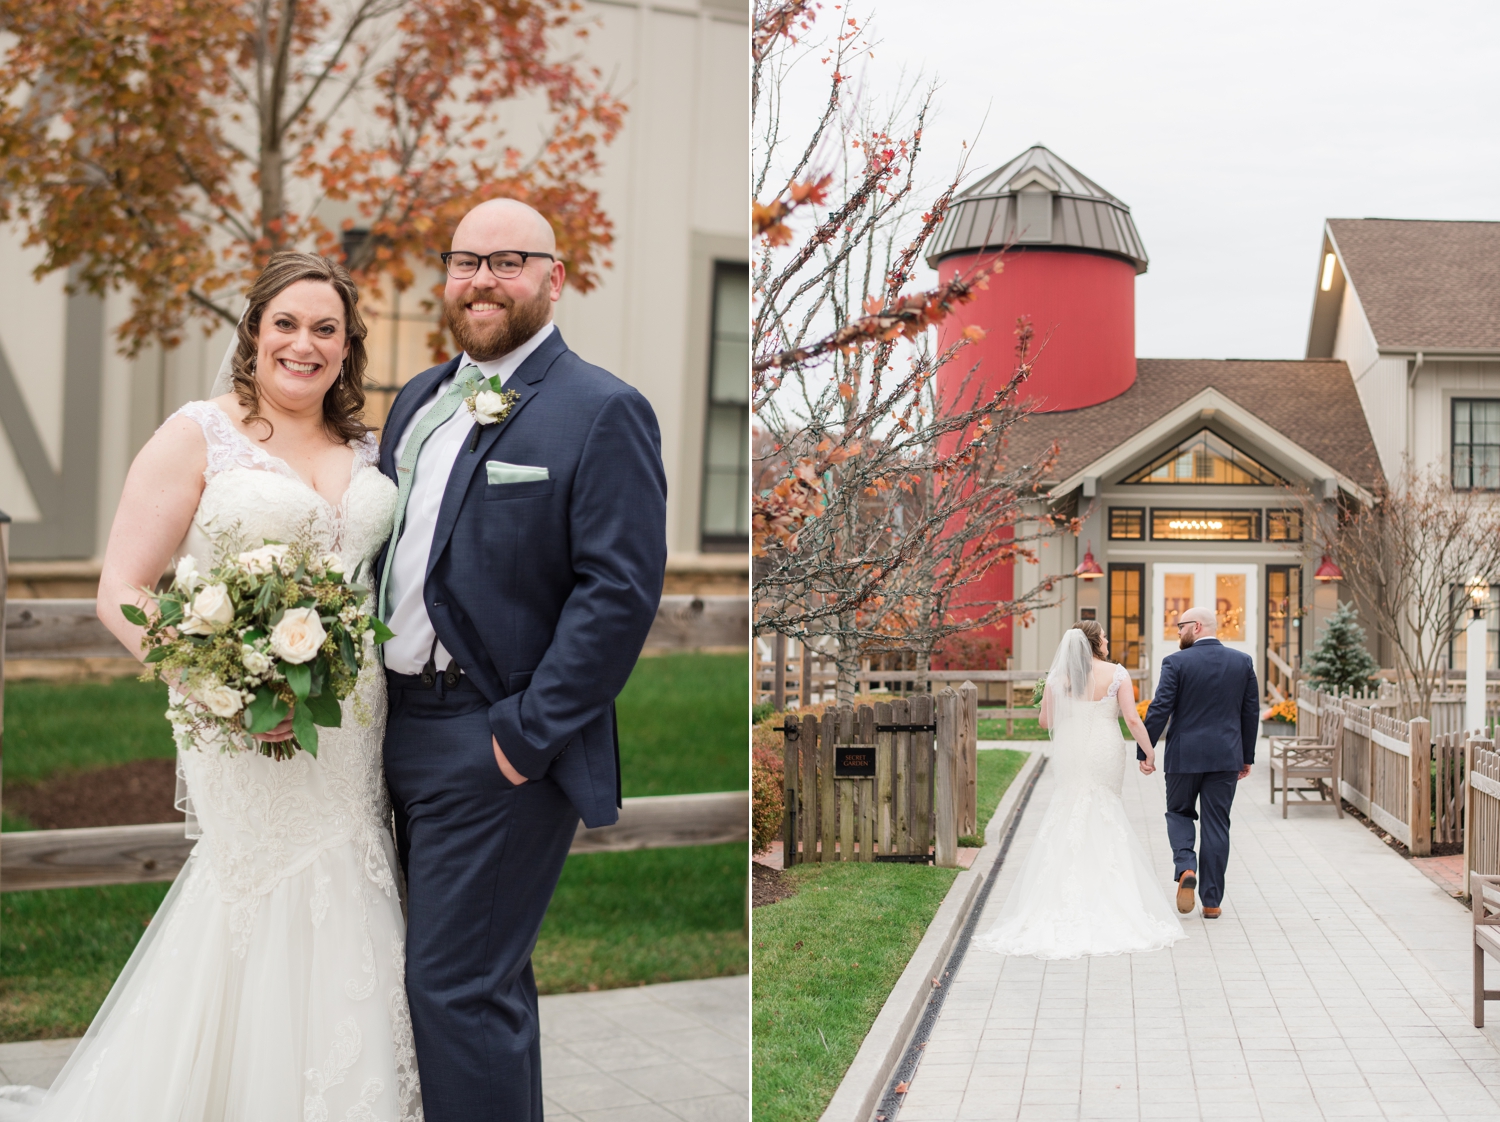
{"points": [[1335, 986], [677, 1052]]}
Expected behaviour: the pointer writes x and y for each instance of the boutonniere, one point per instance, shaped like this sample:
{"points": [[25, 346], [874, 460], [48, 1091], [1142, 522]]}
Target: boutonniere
{"points": [[489, 406]]}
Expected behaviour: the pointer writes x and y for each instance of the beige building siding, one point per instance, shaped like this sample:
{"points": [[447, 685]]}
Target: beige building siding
{"points": [[1437, 384], [1379, 380], [74, 412]]}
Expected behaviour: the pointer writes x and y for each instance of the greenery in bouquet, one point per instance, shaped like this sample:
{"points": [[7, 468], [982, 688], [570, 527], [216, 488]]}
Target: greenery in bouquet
{"points": [[1037, 690], [268, 631]]}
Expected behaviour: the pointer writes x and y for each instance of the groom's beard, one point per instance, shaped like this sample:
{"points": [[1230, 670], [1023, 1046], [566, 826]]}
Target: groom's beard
{"points": [[491, 341], [1185, 641]]}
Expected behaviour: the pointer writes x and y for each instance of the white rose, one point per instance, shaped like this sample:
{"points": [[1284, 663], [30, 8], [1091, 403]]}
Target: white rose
{"points": [[211, 609], [333, 563], [488, 406], [219, 700], [298, 636], [187, 578], [257, 662], [261, 561]]}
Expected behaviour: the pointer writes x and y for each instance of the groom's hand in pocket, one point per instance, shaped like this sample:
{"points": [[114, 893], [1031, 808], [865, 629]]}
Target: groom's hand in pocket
{"points": [[505, 769]]}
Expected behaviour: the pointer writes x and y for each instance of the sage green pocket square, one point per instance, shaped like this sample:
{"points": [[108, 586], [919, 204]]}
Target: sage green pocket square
{"points": [[499, 472]]}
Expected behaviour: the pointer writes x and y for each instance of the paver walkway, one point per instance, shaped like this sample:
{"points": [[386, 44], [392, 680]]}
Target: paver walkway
{"points": [[677, 1052], [1336, 985]]}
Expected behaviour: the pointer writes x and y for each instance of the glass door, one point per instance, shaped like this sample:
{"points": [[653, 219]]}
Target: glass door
{"points": [[1228, 590]]}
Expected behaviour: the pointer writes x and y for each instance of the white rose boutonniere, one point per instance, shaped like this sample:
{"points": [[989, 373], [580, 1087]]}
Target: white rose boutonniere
{"points": [[298, 636], [489, 405]]}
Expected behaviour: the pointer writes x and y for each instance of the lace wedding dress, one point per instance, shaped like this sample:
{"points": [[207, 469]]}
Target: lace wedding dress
{"points": [[270, 984], [1086, 887]]}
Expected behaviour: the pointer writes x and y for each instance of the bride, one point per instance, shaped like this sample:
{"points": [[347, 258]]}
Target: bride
{"points": [[270, 984], [1086, 887]]}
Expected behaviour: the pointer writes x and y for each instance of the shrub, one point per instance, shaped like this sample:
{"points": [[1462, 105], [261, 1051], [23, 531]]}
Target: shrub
{"points": [[767, 797]]}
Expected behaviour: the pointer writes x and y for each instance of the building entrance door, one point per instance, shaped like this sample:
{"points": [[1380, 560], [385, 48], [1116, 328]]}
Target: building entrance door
{"points": [[1229, 590]]}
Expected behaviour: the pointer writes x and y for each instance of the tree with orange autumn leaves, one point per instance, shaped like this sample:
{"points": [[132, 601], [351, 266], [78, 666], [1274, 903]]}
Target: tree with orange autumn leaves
{"points": [[168, 148], [880, 502]]}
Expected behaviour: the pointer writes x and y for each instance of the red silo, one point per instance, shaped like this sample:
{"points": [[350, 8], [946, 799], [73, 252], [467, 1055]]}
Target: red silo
{"points": [[1070, 267]]}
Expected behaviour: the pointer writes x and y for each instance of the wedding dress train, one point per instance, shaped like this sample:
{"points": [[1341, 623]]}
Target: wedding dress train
{"points": [[1086, 887], [270, 984]]}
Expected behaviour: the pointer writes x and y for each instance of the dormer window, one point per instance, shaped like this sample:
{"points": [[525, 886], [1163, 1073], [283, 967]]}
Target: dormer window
{"points": [[1208, 459], [1034, 214]]}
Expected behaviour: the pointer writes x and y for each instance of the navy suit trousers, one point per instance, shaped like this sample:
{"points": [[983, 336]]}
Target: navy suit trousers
{"points": [[1205, 797], [482, 858]]}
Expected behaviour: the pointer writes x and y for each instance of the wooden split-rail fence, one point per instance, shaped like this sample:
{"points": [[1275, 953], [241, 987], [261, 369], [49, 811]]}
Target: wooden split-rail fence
{"points": [[70, 629], [1422, 789], [888, 782]]}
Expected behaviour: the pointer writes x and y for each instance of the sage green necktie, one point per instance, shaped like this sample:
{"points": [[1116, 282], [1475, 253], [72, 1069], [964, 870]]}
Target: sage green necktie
{"points": [[467, 380]]}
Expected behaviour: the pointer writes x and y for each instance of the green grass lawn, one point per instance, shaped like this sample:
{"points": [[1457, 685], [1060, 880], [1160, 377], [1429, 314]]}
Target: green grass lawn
{"points": [[617, 918], [1022, 728], [826, 959], [997, 767]]}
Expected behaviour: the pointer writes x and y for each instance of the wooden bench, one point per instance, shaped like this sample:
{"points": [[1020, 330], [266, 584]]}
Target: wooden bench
{"points": [[1484, 890], [1314, 758]]}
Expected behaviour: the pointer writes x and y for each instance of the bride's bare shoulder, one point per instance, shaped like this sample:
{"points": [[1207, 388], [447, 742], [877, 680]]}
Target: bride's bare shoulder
{"points": [[178, 446]]}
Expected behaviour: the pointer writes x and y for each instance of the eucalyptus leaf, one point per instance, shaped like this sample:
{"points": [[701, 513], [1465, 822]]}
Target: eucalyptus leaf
{"points": [[346, 649], [134, 614], [382, 632], [156, 654]]}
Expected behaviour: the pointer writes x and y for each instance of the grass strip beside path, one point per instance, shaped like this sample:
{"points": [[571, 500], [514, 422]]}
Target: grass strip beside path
{"points": [[997, 767], [825, 961]]}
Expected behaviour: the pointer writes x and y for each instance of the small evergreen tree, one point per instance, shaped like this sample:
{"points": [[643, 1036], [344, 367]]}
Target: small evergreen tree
{"points": [[1341, 662]]}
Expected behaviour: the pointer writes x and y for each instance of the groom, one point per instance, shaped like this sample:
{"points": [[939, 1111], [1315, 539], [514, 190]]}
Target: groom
{"points": [[523, 575], [1209, 695]]}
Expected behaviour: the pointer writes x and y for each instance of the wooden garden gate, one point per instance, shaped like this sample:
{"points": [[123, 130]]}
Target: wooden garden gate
{"points": [[893, 781]]}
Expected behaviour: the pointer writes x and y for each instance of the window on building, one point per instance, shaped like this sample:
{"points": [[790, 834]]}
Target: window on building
{"points": [[1127, 524], [726, 444], [1283, 623], [1283, 525], [1034, 214], [1476, 445], [1205, 525], [1126, 584], [1207, 458]]}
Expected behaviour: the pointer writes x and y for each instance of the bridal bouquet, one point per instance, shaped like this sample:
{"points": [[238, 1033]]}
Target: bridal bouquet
{"points": [[267, 631]]}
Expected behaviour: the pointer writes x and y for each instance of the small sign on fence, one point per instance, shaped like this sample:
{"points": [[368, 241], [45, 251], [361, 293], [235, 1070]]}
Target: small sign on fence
{"points": [[853, 760]]}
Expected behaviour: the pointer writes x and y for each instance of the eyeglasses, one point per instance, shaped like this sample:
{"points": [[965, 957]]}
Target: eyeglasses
{"points": [[506, 264]]}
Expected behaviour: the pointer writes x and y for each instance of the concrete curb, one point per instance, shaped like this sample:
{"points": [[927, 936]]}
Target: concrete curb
{"points": [[864, 1083]]}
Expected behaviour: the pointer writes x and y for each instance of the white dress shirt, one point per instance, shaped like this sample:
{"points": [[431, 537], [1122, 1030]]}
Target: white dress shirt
{"points": [[407, 652]]}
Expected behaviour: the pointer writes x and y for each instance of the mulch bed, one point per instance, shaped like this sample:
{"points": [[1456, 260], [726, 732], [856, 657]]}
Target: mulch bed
{"points": [[132, 794], [767, 885], [1439, 849]]}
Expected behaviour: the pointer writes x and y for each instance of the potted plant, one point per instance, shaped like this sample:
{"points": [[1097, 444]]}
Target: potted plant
{"points": [[1280, 719]]}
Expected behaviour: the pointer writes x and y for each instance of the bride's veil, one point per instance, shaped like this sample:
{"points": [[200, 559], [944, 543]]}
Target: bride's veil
{"points": [[1070, 678]]}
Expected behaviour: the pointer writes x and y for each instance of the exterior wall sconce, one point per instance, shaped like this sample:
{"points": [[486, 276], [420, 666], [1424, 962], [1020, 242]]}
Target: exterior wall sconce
{"points": [[1088, 569], [1328, 571], [1479, 594]]}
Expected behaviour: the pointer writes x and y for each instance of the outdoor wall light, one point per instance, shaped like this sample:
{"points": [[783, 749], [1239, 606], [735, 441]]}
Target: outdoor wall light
{"points": [[1328, 571], [1327, 272], [1088, 569], [1479, 594]]}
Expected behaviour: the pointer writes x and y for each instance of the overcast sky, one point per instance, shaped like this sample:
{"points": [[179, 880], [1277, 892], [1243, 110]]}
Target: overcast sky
{"points": [[1231, 130]]}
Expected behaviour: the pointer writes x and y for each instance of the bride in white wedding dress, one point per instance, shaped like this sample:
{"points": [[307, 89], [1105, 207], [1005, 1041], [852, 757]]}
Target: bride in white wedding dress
{"points": [[1086, 887], [270, 984]]}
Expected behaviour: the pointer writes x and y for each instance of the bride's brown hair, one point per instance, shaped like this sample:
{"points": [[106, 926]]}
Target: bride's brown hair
{"points": [[1094, 634], [344, 403]]}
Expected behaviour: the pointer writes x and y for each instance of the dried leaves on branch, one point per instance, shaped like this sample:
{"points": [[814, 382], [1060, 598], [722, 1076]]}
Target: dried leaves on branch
{"points": [[169, 149], [883, 496], [1407, 559]]}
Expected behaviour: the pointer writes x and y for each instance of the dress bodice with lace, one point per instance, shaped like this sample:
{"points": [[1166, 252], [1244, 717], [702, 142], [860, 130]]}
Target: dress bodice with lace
{"points": [[271, 982], [1086, 886]]}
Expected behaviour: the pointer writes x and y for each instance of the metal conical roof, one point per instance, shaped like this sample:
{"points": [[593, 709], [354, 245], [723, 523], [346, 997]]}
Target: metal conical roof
{"points": [[1009, 206]]}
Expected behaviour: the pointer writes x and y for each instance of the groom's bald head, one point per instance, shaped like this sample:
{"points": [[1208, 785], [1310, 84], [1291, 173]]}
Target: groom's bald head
{"points": [[1197, 623], [504, 224]]}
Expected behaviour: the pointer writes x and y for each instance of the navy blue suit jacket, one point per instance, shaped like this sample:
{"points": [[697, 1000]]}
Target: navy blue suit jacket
{"points": [[1209, 694], [543, 592]]}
